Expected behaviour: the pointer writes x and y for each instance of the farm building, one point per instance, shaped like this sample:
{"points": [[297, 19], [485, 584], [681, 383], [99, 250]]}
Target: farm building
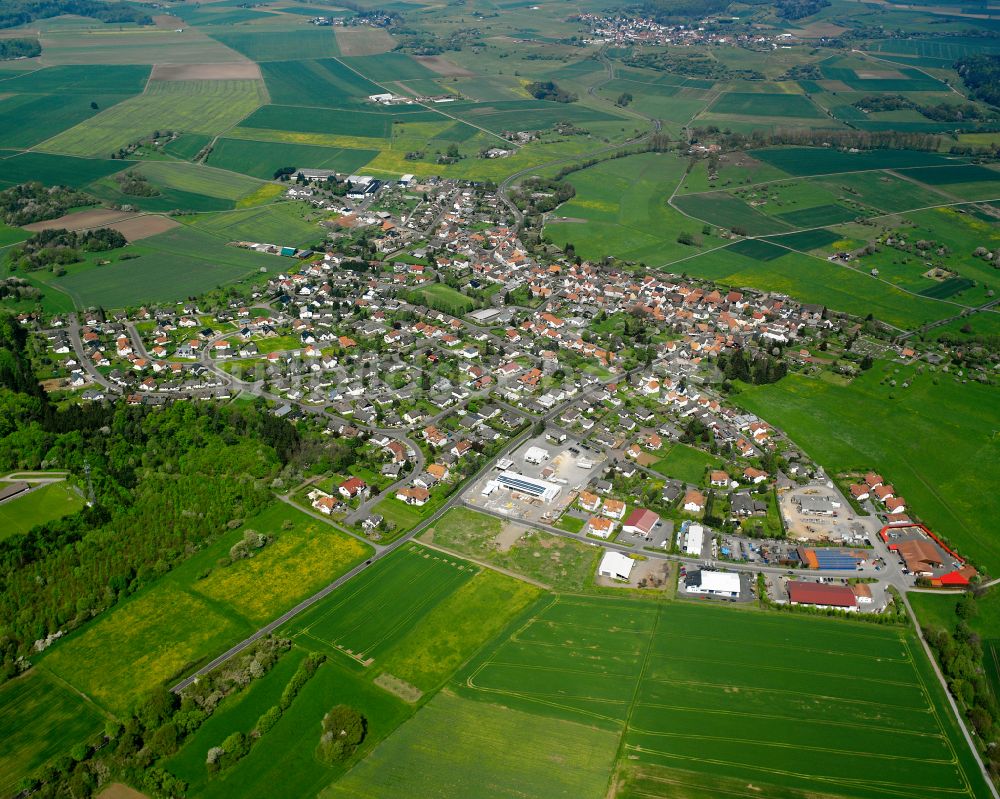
{"points": [[712, 583], [821, 595], [615, 565], [924, 555], [641, 522], [537, 489]]}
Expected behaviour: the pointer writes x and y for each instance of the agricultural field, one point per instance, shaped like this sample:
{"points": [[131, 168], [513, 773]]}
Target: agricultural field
{"points": [[197, 106], [279, 45], [440, 752], [369, 615], [263, 158], [201, 608], [140, 46], [172, 265], [717, 692], [292, 224], [955, 501], [41, 719], [621, 208], [56, 169], [44, 504]]}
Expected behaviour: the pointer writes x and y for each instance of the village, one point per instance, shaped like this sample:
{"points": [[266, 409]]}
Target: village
{"points": [[579, 398]]}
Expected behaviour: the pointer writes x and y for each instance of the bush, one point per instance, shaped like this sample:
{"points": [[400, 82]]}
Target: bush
{"points": [[268, 720], [344, 728]]}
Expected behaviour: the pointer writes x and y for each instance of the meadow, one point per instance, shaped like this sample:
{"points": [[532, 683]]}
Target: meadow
{"points": [[284, 223], [193, 106], [41, 719], [279, 45], [558, 562], [621, 209], [855, 426], [324, 82], [58, 170], [443, 298], [179, 263], [44, 504], [201, 608], [766, 105]]}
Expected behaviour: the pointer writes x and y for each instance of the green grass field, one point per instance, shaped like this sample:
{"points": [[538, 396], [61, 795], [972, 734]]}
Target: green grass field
{"points": [[41, 719], [620, 209], [815, 161], [442, 298], [280, 223], [458, 747], [171, 266], [195, 106], [280, 45], [847, 427], [766, 105], [687, 464], [52, 501], [30, 119], [389, 67], [201, 608], [326, 82], [56, 169]]}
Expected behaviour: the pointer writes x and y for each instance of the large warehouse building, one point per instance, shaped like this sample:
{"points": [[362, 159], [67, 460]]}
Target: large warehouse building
{"points": [[822, 595], [532, 487], [725, 584]]}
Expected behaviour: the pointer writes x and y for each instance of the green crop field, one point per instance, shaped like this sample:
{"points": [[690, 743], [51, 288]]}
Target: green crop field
{"points": [[721, 208], [57, 170], [170, 266], [946, 175], [261, 159], [458, 747], [30, 119], [281, 223], [846, 427], [815, 161], [830, 214], [720, 693], [79, 79], [320, 120], [687, 464], [389, 67], [766, 105], [327, 82], [525, 114], [189, 106], [44, 504], [41, 719], [187, 145], [280, 45], [620, 209], [807, 240], [369, 615], [198, 179]]}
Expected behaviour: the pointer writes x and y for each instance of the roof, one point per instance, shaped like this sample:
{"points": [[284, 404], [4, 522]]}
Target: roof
{"points": [[839, 596], [719, 582], [918, 554], [616, 563], [642, 519]]}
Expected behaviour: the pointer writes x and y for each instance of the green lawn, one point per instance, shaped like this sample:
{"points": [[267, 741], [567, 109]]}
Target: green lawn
{"points": [[687, 464], [52, 501], [948, 426]]}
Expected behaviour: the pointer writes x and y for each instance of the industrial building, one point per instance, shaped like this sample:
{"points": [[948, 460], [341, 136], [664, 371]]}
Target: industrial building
{"points": [[725, 584], [821, 595], [532, 487], [641, 522]]}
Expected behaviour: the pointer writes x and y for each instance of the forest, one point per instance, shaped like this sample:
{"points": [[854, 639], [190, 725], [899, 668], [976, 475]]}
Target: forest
{"points": [[34, 202], [21, 12], [981, 73], [53, 247], [19, 48]]}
